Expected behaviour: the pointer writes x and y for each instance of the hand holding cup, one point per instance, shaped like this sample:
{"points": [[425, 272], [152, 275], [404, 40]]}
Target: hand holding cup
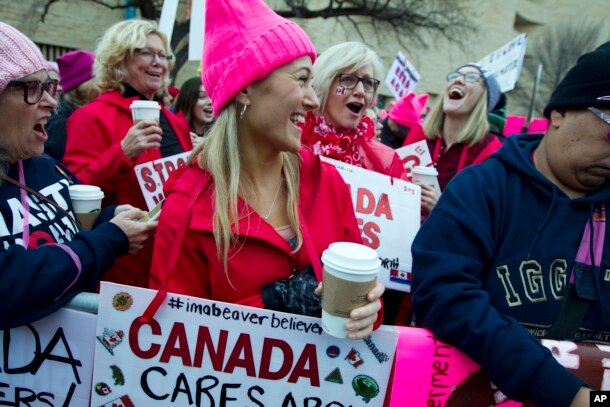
{"points": [[145, 132], [350, 294]]}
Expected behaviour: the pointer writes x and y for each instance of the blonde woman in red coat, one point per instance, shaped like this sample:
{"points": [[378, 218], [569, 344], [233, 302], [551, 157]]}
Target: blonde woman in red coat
{"points": [[254, 212], [133, 61]]}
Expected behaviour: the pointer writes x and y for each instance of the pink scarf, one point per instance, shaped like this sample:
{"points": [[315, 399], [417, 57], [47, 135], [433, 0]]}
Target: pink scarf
{"points": [[324, 139]]}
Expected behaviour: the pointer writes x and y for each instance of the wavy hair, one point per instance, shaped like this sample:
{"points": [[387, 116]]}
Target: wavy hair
{"points": [[330, 63], [219, 154], [474, 130], [118, 42]]}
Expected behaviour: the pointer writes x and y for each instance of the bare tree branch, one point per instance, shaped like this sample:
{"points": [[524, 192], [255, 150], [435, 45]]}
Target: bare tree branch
{"points": [[557, 49]]}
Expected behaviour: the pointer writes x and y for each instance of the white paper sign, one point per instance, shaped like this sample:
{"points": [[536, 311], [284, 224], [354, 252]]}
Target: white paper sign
{"points": [[414, 154], [48, 362], [388, 212], [506, 62], [196, 31], [210, 353], [168, 18], [402, 77], [153, 174]]}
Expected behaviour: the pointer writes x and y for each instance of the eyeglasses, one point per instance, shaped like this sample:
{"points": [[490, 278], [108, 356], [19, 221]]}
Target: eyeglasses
{"points": [[468, 76], [150, 54], [33, 90], [350, 81], [602, 115]]}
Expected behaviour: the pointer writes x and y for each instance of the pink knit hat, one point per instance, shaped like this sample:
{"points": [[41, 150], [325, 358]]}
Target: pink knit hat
{"points": [[19, 56], [245, 41], [75, 67], [407, 110]]}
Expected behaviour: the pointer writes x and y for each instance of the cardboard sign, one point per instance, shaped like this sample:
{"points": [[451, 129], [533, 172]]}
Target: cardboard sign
{"points": [[402, 77], [506, 62], [436, 374], [48, 362], [414, 154], [210, 353], [388, 212], [153, 174]]}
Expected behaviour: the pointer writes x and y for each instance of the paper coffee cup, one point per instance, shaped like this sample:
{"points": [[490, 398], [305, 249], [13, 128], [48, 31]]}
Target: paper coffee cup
{"points": [[424, 175], [350, 272], [87, 203], [145, 110]]}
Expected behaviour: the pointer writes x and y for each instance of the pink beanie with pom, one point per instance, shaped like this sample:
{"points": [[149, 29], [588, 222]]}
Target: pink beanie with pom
{"points": [[407, 111], [19, 56], [244, 42]]}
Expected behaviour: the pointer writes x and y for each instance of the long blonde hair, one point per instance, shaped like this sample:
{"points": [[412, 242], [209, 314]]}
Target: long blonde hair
{"points": [[474, 130], [219, 154]]}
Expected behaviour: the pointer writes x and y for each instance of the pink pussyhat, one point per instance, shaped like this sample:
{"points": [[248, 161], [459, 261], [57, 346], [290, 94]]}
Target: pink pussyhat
{"points": [[244, 42], [407, 111]]}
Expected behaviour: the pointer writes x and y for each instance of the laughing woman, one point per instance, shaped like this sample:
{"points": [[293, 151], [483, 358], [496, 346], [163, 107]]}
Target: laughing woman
{"points": [[249, 219], [132, 62], [345, 82], [456, 130]]}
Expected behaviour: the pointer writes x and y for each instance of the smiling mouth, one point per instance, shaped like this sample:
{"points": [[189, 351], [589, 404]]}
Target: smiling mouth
{"points": [[355, 107], [297, 118], [456, 94]]}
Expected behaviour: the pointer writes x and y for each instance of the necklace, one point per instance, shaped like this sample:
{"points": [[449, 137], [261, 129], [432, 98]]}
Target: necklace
{"points": [[277, 192]]}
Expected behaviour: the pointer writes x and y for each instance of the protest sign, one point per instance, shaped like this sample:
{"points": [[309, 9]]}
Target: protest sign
{"points": [[210, 353], [432, 373], [48, 362], [506, 62], [153, 174], [388, 211], [414, 154], [402, 77]]}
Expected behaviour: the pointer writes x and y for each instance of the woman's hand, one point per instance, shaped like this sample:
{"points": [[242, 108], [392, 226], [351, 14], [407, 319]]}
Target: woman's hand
{"points": [[141, 137], [131, 223], [429, 197], [582, 398], [360, 324], [195, 140]]}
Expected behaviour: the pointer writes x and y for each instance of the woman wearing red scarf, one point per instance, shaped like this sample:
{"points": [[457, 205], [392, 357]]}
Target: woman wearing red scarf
{"points": [[344, 78]]}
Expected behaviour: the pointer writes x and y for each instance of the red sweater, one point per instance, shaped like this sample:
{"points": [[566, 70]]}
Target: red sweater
{"points": [[94, 154]]}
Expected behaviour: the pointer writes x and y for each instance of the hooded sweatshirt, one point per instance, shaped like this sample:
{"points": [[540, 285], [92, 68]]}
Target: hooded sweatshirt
{"points": [[490, 267]]}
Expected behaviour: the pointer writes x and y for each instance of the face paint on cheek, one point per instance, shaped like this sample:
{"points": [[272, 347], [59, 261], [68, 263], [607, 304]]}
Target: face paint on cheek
{"points": [[340, 90]]}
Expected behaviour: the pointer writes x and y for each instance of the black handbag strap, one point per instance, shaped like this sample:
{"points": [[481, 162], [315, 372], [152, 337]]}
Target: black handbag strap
{"points": [[583, 287]]}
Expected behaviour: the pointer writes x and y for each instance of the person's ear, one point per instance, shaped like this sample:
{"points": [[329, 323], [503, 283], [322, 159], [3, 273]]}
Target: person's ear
{"points": [[556, 118], [243, 98]]}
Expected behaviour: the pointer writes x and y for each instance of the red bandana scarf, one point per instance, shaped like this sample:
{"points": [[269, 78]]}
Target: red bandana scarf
{"points": [[324, 139]]}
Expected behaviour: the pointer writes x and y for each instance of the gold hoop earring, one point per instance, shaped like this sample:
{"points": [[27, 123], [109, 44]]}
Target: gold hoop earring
{"points": [[243, 111]]}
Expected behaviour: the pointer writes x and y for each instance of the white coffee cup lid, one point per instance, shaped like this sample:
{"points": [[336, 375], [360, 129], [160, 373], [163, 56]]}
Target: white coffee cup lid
{"points": [[80, 191], [148, 104], [420, 169], [351, 258]]}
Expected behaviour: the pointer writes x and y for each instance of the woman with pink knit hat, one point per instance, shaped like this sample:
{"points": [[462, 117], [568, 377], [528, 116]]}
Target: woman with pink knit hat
{"points": [[249, 219], [44, 259], [76, 78]]}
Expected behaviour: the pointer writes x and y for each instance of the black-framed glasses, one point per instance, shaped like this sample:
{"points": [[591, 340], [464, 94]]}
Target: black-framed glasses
{"points": [[605, 117], [33, 90], [468, 76], [149, 54], [350, 81]]}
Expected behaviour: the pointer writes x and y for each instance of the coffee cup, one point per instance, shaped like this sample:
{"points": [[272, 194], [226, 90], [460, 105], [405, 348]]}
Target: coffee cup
{"points": [[424, 175], [350, 272], [145, 110], [87, 203]]}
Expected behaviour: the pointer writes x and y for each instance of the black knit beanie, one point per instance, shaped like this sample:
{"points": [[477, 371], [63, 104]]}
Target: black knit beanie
{"points": [[586, 84]]}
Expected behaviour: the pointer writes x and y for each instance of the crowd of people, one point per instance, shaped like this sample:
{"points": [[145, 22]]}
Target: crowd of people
{"points": [[511, 251]]}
